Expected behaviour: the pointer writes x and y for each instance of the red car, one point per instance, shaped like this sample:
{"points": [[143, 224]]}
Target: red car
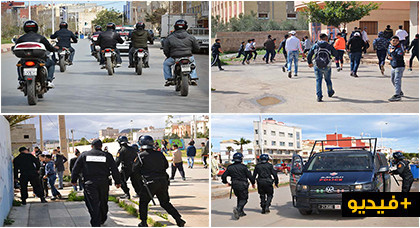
{"points": [[282, 167]]}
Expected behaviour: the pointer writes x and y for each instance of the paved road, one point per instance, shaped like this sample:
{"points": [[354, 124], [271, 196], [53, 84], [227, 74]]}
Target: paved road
{"points": [[238, 88], [285, 215], [85, 88]]}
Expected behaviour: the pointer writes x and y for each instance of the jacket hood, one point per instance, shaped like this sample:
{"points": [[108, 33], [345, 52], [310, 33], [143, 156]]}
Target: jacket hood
{"points": [[180, 34]]}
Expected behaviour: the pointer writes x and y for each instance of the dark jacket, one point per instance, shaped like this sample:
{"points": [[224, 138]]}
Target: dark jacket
{"points": [[397, 54], [415, 46], [180, 44], [95, 165], [59, 162], [215, 48], [264, 172], [282, 45], [72, 162], [126, 156], [191, 150], [322, 44], [65, 37], [269, 45], [356, 44], [238, 173], [380, 44], [25, 164], [35, 37], [152, 165], [139, 38], [403, 169], [109, 39], [388, 33]]}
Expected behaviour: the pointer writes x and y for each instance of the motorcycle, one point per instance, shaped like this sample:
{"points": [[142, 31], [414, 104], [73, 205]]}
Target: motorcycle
{"points": [[110, 57], [32, 70], [63, 58], [139, 56], [97, 49], [182, 70]]}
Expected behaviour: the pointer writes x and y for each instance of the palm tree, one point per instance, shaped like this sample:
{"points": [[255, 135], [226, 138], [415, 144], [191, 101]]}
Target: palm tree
{"points": [[15, 119], [241, 142], [229, 149]]}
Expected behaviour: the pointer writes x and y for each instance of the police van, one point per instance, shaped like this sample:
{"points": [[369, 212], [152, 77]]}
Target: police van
{"points": [[318, 184]]}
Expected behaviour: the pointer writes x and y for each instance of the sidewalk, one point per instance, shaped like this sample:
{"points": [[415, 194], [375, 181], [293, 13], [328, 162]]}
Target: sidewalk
{"points": [[6, 47]]}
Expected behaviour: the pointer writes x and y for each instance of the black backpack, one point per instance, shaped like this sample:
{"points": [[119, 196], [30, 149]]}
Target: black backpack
{"points": [[322, 57]]}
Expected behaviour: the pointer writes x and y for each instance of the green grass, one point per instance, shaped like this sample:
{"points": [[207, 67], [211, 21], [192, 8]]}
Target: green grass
{"points": [[113, 199], [73, 197], [6, 41], [162, 215], [67, 178], [8, 222], [17, 203]]}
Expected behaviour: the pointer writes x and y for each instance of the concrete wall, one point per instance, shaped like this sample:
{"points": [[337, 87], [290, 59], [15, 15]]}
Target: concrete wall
{"points": [[6, 173], [232, 40]]}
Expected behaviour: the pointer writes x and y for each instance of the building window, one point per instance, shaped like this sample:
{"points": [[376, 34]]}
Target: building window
{"points": [[273, 133], [281, 134], [290, 144], [249, 151], [282, 143], [273, 143], [291, 16], [256, 142], [263, 16], [298, 144], [256, 131], [265, 132], [297, 135], [265, 142], [290, 135], [26, 136], [372, 27]]}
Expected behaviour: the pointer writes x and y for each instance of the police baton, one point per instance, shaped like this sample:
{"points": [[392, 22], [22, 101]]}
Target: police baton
{"points": [[396, 181], [145, 182], [231, 190]]}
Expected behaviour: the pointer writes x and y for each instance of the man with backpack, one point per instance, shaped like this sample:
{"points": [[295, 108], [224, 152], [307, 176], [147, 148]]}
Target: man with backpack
{"points": [[322, 52]]}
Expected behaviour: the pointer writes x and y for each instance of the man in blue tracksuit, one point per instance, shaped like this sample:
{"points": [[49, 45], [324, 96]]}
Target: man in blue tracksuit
{"points": [[322, 52], [380, 45], [191, 152], [396, 56]]}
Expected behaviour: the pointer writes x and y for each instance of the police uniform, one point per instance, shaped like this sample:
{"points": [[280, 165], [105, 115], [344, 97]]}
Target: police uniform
{"points": [[239, 174], [403, 169], [152, 165], [95, 166], [125, 156], [264, 173]]}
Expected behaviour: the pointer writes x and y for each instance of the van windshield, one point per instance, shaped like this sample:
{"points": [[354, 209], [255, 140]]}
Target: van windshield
{"points": [[328, 162]]}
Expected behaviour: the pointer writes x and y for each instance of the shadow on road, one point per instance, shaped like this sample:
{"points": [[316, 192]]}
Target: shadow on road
{"points": [[343, 99], [227, 92]]}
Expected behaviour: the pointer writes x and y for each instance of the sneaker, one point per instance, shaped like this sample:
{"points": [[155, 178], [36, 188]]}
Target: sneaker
{"points": [[172, 178], [125, 196], [43, 200], [382, 70], [242, 214], [118, 65], [284, 69], [70, 63], [410, 69], [338, 69], [193, 82], [263, 210], [295, 75], [169, 83], [142, 224], [351, 74], [247, 62], [24, 202], [267, 210], [395, 98], [180, 222], [235, 213], [331, 94], [146, 65], [103, 66], [184, 179], [20, 86], [290, 74], [221, 69], [355, 75], [319, 99], [53, 198], [243, 63], [131, 66], [401, 94], [50, 85]]}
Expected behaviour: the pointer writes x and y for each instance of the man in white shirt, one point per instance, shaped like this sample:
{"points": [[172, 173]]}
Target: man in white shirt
{"points": [[293, 47], [365, 38], [402, 34], [248, 52]]}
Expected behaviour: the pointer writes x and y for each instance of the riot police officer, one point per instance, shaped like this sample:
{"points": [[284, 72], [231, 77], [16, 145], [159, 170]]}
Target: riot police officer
{"points": [[65, 37], [152, 165], [403, 169], [239, 175], [95, 165], [125, 156], [265, 176]]}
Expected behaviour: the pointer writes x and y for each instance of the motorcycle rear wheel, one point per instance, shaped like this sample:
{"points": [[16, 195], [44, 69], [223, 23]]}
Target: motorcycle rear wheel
{"points": [[31, 92]]}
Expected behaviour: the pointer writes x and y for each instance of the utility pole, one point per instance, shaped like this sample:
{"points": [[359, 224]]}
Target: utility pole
{"points": [[63, 140], [52, 17], [195, 128], [72, 139], [40, 133], [30, 15], [260, 131]]}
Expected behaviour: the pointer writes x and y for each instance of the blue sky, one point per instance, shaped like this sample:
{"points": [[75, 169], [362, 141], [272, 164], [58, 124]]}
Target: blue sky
{"points": [[400, 132], [118, 5], [88, 126]]}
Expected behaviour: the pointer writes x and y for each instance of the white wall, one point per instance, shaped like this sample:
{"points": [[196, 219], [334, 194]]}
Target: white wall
{"points": [[6, 171]]}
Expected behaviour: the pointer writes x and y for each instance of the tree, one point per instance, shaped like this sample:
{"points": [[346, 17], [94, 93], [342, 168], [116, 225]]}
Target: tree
{"points": [[106, 16], [15, 119], [108, 140], [241, 142], [229, 149], [155, 18], [336, 13]]}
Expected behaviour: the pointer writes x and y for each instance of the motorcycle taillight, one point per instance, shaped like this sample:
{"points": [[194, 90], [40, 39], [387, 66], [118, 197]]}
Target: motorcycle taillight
{"points": [[185, 61], [30, 63]]}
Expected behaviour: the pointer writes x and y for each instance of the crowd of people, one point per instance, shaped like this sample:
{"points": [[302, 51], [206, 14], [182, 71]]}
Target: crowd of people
{"points": [[330, 48]]}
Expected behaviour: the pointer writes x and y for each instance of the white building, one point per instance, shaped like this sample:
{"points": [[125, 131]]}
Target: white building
{"points": [[156, 133], [248, 151], [277, 139], [109, 132]]}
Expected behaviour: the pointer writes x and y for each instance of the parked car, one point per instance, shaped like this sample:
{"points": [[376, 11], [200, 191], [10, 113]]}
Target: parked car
{"points": [[124, 31]]}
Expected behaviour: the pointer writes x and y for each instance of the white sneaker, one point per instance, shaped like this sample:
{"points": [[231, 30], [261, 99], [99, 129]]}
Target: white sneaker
{"points": [[118, 65], [50, 85]]}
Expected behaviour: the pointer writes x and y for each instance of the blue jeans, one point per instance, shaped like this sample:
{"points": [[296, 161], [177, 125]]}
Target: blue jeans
{"points": [[190, 161], [381, 54], [326, 73], [51, 181], [292, 56], [71, 56], [267, 55], [80, 184], [396, 78], [355, 61], [167, 72], [50, 68], [60, 178]]}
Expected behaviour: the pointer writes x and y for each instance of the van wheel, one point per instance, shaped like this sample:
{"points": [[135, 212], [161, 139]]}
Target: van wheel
{"points": [[305, 212]]}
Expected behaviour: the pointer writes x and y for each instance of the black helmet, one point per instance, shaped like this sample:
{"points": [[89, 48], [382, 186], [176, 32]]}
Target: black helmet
{"points": [[122, 140], [139, 26], [146, 142], [135, 146], [181, 24], [64, 25], [237, 157], [110, 25], [30, 26], [97, 143], [398, 155], [98, 28], [264, 158]]}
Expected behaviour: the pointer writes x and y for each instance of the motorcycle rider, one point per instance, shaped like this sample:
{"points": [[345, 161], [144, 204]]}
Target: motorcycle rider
{"points": [[65, 37], [31, 28], [403, 169], [179, 44], [109, 39], [139, 38], [98, 30]]}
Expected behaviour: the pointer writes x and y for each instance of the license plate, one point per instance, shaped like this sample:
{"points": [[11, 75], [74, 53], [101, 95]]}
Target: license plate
{"points": [[30, 71], [108, 54], [185, 68], [97, 48], [140, 55], [329, 206]]}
